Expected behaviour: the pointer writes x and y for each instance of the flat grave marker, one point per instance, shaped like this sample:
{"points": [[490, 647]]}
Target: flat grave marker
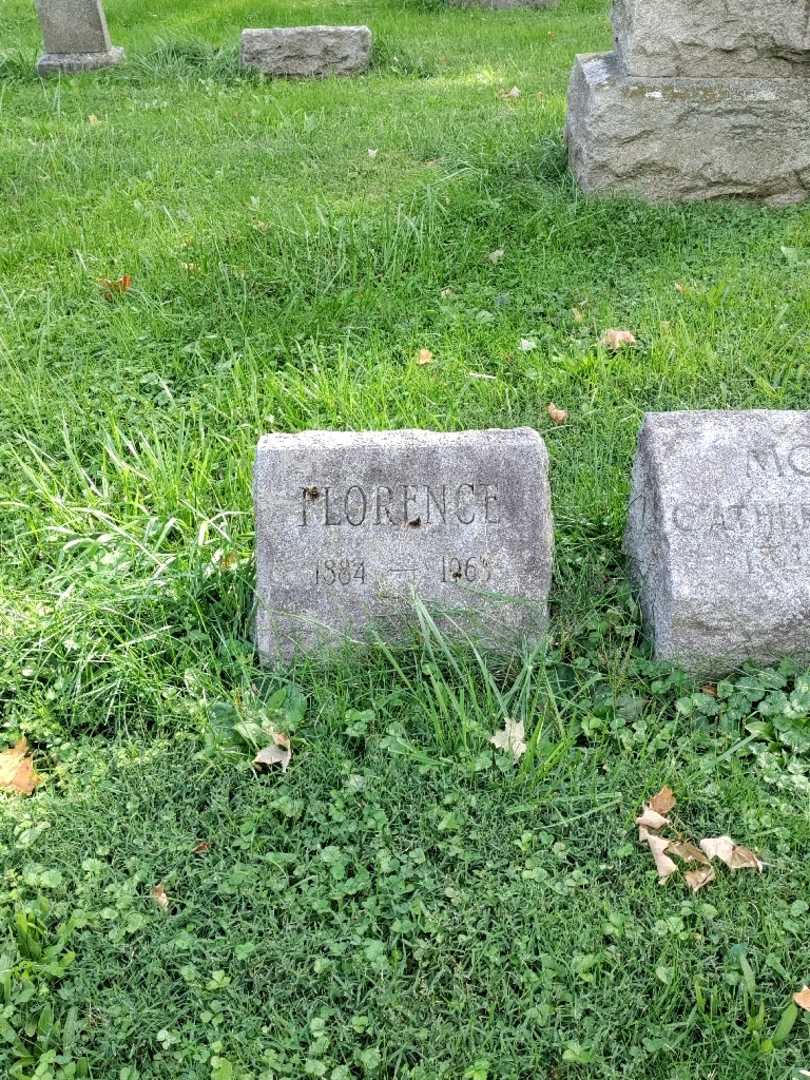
{"points": [[718, 536], [307, 51], [351, 527]]}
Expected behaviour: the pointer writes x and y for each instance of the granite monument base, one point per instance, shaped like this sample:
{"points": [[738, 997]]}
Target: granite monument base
{"points": [[688, 138], [74, 63]]}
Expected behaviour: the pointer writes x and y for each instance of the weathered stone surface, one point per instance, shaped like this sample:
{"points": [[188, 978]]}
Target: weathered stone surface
{"points": [[76, 37], [73, 63], [684, 139], [307, 50], [351, 526], [73, 26], [718, 536], [713, 38]]}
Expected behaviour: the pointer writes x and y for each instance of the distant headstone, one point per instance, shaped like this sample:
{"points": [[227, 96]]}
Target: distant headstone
{"points": [[307, 50], [351, 527], [76, 37], [718, 536], [700, 100]]}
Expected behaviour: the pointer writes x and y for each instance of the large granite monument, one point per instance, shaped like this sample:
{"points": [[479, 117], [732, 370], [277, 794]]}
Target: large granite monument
{"points": [[76, 37], [718, 536], [351, 527], [701, 99]]}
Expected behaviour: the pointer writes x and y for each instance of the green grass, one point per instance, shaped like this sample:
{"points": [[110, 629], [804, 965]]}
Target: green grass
{"points": [[400, 903]]}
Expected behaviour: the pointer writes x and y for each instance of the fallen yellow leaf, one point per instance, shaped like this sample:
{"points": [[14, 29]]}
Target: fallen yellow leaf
{"points": [[663, 801], [17, 774], [663, 864], [557, 415], [278, 754], [686, 851], [718, 847], [802, 998], [616, 339], [696, 879], [651, 819], [511, 739], [425, 357], [742, 858], [159, 896]]}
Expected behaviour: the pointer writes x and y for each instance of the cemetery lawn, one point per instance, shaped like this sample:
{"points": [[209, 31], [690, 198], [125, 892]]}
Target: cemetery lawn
{"points": [[191, 257]]}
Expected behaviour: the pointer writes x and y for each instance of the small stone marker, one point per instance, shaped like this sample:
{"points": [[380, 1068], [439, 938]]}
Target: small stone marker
{"points": [[351, 526], [76, 37], [307, 50], [701, 99], [718, 536]]}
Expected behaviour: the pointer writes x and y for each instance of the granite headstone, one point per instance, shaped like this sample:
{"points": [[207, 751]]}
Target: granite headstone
{"points": [[351, 528], [718, 536], [75, 36]]}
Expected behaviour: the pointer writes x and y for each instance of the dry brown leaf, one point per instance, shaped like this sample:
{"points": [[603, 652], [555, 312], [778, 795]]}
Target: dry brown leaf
{"points": [[651, 819], [616, 339], [742, 858], [229, 560], [111, 288], [159, 896], [718, 847], [710, 689], [663, 801], [696, 879], [557, 415], [202, 847], [496, 256], [663, 864], [802, 998], [512, 739], [425, 356], [687, 852], [17, 774], [278, 754]]}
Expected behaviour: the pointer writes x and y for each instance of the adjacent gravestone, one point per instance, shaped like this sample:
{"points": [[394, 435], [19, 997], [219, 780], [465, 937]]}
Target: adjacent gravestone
{"points": [[351, 527], [76, 37], [301, 51], [699, 100], [718, 536]]}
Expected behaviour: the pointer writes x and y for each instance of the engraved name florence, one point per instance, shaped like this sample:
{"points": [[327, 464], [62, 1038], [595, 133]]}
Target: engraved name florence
{"points": [[410, 506], [405, 505]]}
